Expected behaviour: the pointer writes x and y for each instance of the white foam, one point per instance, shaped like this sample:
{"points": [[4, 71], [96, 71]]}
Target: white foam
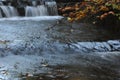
{"points": [[38, 18]]}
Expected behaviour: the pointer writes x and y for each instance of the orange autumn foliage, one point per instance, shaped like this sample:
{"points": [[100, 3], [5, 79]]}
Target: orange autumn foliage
{"points": [[87, 8]]}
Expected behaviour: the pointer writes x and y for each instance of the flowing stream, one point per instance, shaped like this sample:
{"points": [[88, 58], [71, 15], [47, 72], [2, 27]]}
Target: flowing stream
{"points": [[39, 48]]}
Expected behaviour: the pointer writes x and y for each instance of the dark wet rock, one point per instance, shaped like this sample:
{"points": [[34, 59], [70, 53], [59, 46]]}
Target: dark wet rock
{"points": [[77, 32]]}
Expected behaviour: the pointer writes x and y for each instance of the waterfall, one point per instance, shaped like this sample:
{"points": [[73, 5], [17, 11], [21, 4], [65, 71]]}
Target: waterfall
{"points": [[13, 11], [9, 11], [52, 8], [49, 8], [40, 10], [5, 10], [31, 11]]}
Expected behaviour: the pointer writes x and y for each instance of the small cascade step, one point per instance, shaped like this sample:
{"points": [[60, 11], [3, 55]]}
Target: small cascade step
{"points": [[8, 11], [47, 9], [52, 8], [40, 10]]}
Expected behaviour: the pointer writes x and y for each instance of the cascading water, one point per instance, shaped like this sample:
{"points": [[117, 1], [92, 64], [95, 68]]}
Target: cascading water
{"points": [[52, 8], [36, 11], [8, 11], [13, 11], [42, 10], [5, 10], [30, 11]]}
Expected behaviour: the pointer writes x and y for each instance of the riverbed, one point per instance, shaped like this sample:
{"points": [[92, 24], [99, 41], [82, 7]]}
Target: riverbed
{"points": [[44, 48]]}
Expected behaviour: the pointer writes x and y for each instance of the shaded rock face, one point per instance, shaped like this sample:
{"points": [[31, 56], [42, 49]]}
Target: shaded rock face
{"points": [[78, 32], [21, 11], [111, 22]]}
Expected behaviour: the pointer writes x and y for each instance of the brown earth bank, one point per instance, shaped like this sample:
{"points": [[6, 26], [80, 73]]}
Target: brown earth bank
{"points": [[102, 13]]}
